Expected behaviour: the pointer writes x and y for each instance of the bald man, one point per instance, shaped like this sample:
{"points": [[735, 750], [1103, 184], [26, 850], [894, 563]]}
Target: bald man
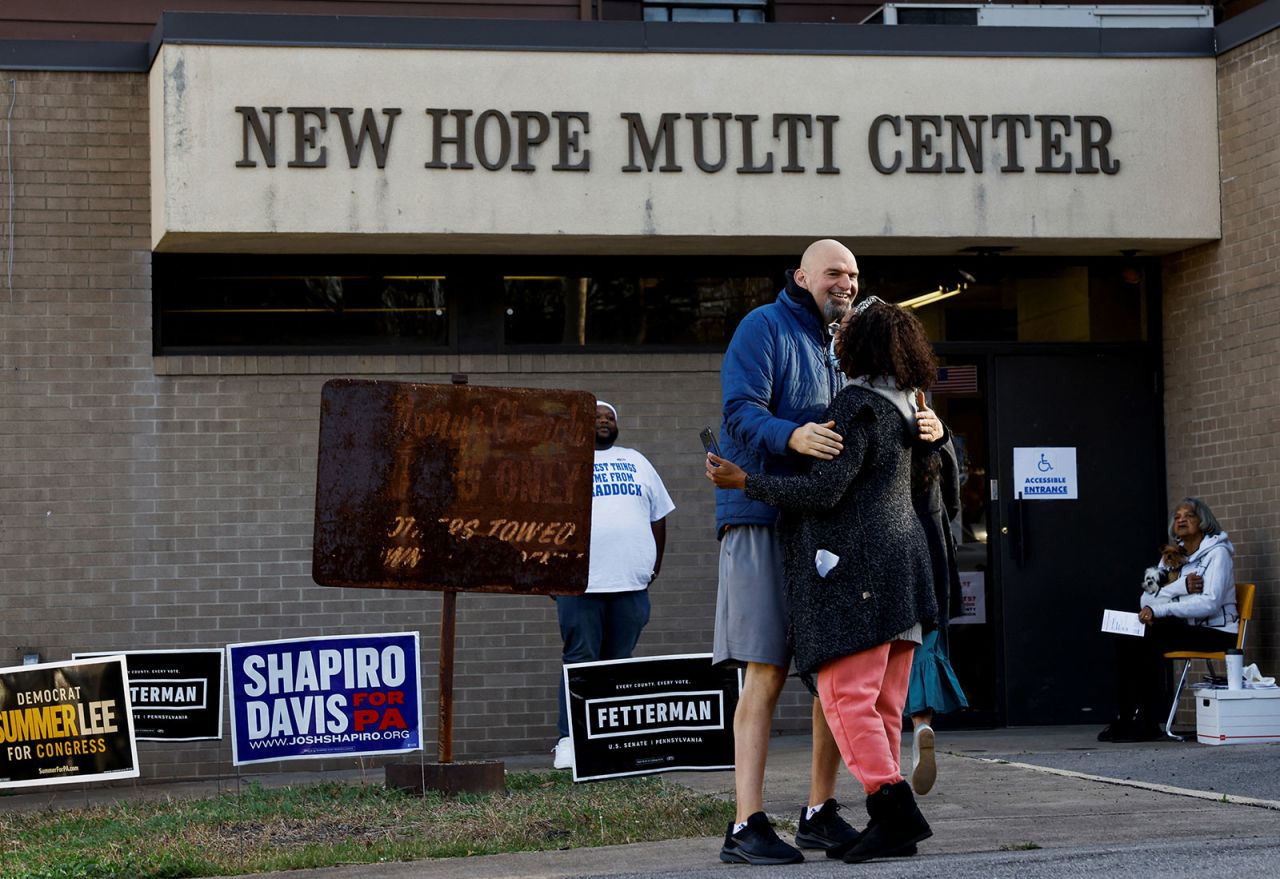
{"points": [[777, 379]]}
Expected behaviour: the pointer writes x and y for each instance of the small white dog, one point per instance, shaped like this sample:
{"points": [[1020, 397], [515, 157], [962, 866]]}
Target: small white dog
{"points": [[1172, 558], [1157, 577]]}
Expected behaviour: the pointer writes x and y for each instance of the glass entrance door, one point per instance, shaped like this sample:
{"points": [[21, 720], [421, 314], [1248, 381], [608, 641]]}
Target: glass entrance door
{"points": [[961, 399], [1078, 461], [1041, 353]]}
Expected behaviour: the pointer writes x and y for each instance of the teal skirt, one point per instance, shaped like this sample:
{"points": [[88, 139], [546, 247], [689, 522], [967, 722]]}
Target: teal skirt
{"points": [[933, 682]]}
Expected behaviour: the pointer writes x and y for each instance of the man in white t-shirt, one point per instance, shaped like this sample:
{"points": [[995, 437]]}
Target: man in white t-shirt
{"points": [[629, 506]]}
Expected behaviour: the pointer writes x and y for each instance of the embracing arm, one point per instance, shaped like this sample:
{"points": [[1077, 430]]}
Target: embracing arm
{"points": [[1218, 575], [825, 483]]}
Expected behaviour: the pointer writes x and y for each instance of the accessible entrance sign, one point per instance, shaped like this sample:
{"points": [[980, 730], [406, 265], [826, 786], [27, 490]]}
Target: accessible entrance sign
{"points": [[1045, 473]]}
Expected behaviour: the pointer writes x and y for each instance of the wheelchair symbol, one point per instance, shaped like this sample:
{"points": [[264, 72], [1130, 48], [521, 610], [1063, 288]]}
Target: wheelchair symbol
{"points": [[1043, 464]]}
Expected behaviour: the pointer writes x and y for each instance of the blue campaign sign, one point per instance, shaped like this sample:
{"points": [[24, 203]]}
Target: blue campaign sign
{"points": [[346, 695]]}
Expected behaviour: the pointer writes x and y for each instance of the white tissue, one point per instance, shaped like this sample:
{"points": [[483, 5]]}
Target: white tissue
{"points": [[825, 561], [1254, 678]]}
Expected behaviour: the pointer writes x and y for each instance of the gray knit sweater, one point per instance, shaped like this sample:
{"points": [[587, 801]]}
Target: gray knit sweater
{"points": [[857, 506]]}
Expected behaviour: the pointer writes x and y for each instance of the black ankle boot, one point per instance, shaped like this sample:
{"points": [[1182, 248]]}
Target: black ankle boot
{"points": [[896, 825]]}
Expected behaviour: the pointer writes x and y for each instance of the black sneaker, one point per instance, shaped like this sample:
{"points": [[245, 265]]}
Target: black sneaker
{"points": [[826, 830], [757, 844]]}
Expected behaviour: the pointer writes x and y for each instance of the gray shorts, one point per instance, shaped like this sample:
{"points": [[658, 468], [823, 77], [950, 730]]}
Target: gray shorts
{"points": [[751, 615]]}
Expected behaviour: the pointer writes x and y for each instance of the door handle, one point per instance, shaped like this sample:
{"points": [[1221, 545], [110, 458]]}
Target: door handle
{"points": [[1018, 534]]}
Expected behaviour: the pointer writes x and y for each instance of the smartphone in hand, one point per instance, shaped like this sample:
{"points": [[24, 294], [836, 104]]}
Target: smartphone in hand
{"points": [[709, 442]]}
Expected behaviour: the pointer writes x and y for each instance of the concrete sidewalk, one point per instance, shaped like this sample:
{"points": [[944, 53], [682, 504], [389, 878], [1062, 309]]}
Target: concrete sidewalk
{"points": [[998, 790]]}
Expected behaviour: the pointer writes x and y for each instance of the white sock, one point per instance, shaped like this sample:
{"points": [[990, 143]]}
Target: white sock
{"points": [[813, 810], [739, 827]]}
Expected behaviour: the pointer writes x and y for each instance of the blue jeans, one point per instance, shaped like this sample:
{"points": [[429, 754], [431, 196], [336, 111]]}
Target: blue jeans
{"points": [[602, 626]]}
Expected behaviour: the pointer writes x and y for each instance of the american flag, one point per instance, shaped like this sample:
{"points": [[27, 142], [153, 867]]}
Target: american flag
{"points": [[956, 380]]}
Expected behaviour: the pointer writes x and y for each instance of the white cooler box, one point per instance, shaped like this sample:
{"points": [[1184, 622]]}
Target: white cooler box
{"points": [[1237, 717]]}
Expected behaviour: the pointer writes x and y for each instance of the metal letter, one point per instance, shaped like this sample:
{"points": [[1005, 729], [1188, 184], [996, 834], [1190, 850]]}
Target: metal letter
{"points": [[524, 139], [1090, 144], [699, 157], [972, 141], [828, 124], [748, 152], [1051, 145], [665, 136], [1012, 120], [504, 140], [304, 137], [873, 143], [368, 130], [569, 141], [439, 140], [793, 121], [922, 145], [266, 142]]}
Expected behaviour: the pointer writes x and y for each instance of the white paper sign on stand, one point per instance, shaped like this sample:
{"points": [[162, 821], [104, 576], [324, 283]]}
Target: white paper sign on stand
{"points": [[973, 599]]}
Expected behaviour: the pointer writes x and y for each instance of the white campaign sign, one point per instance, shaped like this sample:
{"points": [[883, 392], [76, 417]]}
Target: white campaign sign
{"points": [[1045, 474]]}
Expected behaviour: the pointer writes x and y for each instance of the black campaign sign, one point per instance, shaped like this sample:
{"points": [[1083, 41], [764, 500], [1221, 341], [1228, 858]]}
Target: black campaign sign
{"points": [[656, 714], [176, 694], [64, 722]]}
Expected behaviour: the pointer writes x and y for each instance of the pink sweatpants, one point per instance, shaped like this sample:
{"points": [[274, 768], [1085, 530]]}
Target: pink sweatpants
{"points": [[863, 696]]}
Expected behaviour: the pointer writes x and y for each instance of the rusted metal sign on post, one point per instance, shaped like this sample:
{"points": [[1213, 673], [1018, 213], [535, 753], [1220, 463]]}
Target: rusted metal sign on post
{"points": [[455, 488]]}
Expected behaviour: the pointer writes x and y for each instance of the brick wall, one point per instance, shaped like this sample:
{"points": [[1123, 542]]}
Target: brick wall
{"points": [[163, 503], [1222, 341]]}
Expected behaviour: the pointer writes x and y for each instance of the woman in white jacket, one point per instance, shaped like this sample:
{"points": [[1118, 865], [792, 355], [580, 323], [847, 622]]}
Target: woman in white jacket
{"points": [[1197, 611]]}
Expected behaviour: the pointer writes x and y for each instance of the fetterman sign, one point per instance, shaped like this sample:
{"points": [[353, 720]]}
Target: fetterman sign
{"points": [[651, 714]]}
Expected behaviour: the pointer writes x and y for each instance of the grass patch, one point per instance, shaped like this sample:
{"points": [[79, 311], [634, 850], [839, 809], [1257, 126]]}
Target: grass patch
{"points": [[1020, 846], [326, 825]]}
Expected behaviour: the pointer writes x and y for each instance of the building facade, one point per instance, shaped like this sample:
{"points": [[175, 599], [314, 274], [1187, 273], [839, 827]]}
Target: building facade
{"points": [[213, 211]]}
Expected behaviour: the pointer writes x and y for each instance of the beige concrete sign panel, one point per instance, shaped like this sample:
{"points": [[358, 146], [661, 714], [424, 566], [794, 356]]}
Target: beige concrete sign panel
{"points": [[272, 148]]}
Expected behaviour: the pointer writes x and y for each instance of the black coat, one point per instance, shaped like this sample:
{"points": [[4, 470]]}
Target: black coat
{"points": [[858, 507], [937, 504]]}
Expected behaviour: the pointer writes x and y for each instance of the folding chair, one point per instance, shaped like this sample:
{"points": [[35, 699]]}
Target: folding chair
{"points": [[1244, 604]]}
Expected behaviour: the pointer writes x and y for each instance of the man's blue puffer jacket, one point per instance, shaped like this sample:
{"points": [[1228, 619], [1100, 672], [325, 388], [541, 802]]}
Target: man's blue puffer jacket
{"points": [[776, 375]]}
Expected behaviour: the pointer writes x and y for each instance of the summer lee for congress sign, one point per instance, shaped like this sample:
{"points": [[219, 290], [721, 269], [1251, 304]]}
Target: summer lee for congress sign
{"points": [[325, 697], [63, 722]]}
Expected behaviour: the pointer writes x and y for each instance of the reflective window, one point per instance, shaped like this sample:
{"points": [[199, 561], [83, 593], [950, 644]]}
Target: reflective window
{"points": [[212, 306], [706, 10], [1017, 299], [281, 304], [629, 310]]}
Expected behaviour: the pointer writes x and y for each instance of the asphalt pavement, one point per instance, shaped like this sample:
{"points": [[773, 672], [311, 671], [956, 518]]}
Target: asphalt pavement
{"points": [[1025, 802]]}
